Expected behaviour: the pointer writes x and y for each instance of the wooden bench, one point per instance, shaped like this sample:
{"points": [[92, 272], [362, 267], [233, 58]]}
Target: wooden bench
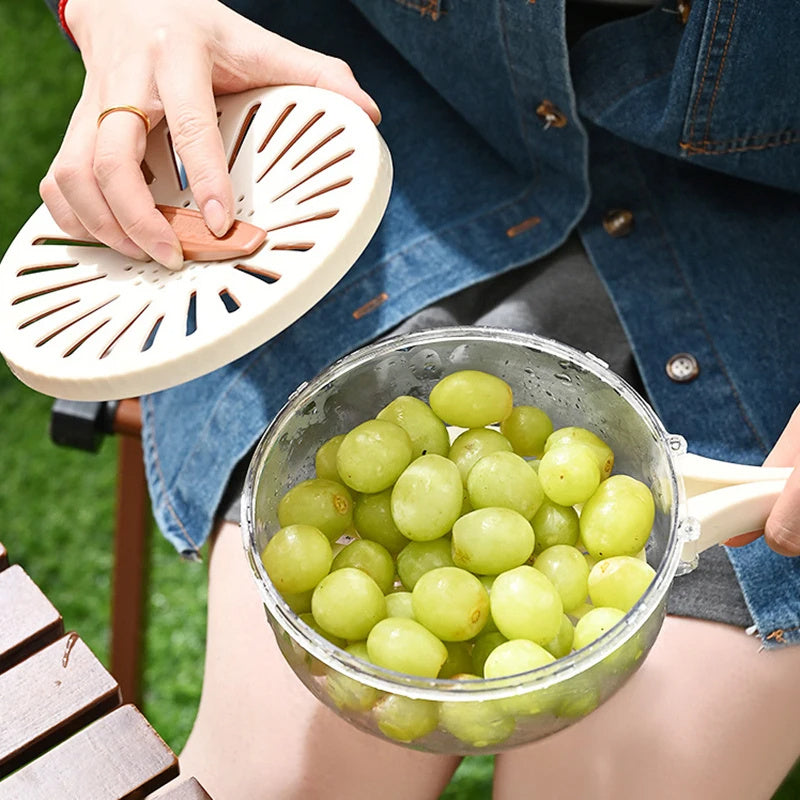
{"points": [[63, 731]]}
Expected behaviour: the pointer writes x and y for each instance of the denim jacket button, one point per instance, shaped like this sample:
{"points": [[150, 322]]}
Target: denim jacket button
{"points": [[683, 367], [552, 116], [618, 222]]}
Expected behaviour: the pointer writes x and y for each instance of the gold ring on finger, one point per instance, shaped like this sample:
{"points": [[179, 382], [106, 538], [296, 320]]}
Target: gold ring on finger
{"points": [[132, 110]]}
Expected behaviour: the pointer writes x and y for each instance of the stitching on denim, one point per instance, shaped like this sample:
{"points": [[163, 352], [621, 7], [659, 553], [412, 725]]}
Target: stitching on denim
{"points": [[721, 69], [689, 292], [707, 147], [153, 448], [705, 70], [426, 8]]}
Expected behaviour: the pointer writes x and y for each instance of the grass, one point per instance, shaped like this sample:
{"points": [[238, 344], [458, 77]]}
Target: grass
{"points": [[56, 505]]}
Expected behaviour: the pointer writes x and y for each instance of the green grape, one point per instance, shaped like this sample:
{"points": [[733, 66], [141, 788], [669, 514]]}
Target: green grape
{"points": [[297, 558], [581, 611], [403, 645], [554, 524], [525, 605], [619, 581], [372, 455], [370, 557], [594, 624], [573, 435], [527, 428], [417, 558], [506, 480], [325, 504], [459, 659], [451, 603], [576, 704], [300, 602], [617, 519], [348, 603], [492, 540], [561, 644], [348, 693], [515, 657], [325, 459], [358, 650], [472, 445], [372, 518], [471, 399], [484, 644], [568, 571], [309, 620], [427, 432], [398, 604], [487, 581], [478, 724], [427, 498], [569, 474], [405, 719]]}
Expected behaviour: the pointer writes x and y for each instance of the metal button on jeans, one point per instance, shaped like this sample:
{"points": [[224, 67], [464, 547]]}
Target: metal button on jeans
{"points": [[683, 367], [618, 222], [552, 116]]}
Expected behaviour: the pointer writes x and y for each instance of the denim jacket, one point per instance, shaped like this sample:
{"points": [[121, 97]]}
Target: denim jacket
{"points": [[672, 146]]}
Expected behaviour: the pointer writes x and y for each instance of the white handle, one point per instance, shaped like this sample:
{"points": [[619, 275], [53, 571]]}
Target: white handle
{"points": [[730, 511], [702, 474]]}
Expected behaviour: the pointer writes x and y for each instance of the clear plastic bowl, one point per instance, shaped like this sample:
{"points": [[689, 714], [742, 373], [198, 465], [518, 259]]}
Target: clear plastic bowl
{"points": [[474, 716]]}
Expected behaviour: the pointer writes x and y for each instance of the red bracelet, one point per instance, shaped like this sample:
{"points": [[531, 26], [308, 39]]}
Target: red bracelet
{"points": [[62, 20]]}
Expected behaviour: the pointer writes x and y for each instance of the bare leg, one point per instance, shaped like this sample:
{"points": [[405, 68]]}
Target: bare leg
{"points": [[707, 716], [259, 732]]}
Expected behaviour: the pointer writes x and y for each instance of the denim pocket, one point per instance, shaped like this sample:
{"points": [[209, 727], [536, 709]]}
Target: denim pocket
{"points": [[745, 95]]}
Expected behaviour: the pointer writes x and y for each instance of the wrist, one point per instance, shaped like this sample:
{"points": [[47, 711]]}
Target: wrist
{"points": [[62, 20]]}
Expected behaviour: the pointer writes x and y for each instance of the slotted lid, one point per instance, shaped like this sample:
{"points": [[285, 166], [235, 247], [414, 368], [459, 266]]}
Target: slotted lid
{"points": [[82, 322]]}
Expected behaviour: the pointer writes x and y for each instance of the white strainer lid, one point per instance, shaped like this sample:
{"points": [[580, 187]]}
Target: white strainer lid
{"points": [[82, 322]]}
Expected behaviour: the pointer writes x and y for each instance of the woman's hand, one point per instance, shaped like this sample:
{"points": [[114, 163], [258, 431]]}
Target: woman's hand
{"points": [[167, 58], [782, 530]]}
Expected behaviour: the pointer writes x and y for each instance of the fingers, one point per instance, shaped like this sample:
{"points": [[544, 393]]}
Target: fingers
{"points": [[787, 447], [782, 530], [272, 60], [192, 119], [72, 196], [743, 538], [119, 150]]}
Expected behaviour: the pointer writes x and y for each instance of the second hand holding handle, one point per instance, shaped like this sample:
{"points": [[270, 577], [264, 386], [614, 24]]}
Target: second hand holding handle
{"points": [[727, 500]]}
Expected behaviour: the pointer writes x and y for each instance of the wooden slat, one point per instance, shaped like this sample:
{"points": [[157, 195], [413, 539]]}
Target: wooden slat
{"points": [[185, 790], [119, 757], [3, 556], [53, 693], [28, 620]]}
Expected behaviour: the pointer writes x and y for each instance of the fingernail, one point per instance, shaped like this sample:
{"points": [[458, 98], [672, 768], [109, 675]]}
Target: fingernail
{"points": [[377, 111], [216, 218], [168, 255]]}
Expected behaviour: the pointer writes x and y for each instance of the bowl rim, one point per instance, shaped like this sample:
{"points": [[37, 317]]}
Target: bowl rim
{"points": [[479, 689]]}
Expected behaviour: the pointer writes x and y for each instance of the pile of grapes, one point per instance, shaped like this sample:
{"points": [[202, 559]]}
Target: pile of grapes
{"points": [[486, 556]]}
